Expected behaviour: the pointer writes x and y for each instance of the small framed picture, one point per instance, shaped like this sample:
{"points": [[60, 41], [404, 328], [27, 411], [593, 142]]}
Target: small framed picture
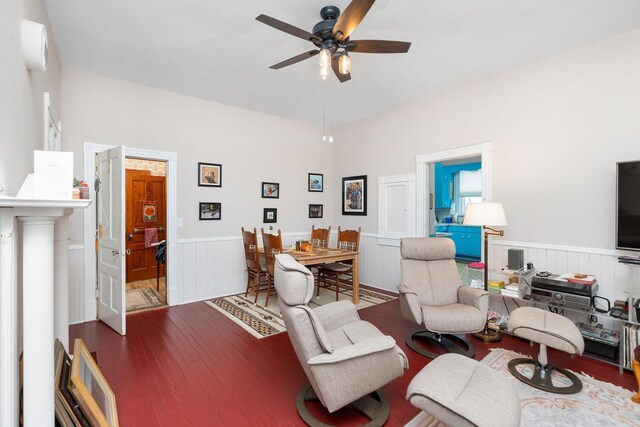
{"points": [[270, 190], [315, 211], [316, 182], [209, 175], [270, 215], [210, 211], [354, 195]]}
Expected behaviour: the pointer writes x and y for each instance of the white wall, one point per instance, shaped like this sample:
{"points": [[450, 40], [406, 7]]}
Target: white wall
{"points": [[251, 147], [22, 92], [557, 127]]}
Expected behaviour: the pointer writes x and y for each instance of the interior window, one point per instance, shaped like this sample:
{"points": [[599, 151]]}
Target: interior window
{"points": [[470, 189]]}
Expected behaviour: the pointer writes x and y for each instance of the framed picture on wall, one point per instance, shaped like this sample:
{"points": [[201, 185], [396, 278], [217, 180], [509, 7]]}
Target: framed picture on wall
{"points": [[270, 190], [210, 211], [270, 215], [315, 211], [316, 182], [209, 175], [354, 195]]}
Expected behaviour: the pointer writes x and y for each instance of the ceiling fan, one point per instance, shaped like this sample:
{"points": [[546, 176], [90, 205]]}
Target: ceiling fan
{"points": [[331, 37]]}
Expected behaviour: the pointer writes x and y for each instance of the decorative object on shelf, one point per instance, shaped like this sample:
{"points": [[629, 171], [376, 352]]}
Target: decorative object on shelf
{"points": [[209, 175], [354, 195], [149, 211], [316, 182], [91, 390], [636, 371], [270, 190], [270, 215], [487, 215], [315, 211], [210, 211]]}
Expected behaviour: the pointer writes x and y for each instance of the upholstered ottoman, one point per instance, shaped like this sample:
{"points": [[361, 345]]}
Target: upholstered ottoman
{"points": [[547, 329], [460, 391]]}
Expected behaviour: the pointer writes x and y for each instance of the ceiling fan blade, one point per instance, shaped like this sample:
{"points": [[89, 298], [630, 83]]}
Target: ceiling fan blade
{"points": [[295, 59], [288, 28], [350, 18], [378, 46], [336, 69]]}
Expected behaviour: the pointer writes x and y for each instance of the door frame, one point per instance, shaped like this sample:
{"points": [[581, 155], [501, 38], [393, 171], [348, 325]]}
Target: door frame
{"points": [[90, 151], [422, 173]]}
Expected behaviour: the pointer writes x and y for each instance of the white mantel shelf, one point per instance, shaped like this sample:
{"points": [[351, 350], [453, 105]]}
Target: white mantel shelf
{"points": [[43, 249]]}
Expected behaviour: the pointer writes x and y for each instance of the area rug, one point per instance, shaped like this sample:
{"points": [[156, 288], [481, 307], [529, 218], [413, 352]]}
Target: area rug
{"points": [[599, 404], [261, 321], [137, 299]]}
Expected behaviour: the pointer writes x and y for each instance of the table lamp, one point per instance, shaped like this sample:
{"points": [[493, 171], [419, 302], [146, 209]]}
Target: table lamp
{"points": [[488, 215]]}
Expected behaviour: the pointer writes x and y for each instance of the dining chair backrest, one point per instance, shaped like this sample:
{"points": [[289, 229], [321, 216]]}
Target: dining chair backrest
{"points": [[250, 243], [272, 246], [320, 236], [349, 239]]}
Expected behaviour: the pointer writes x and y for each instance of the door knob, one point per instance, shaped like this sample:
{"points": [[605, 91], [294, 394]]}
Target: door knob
{"points": [[130, 236], [115, 252], [128, 252]]}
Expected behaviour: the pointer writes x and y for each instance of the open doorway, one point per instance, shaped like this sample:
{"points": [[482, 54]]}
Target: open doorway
{"points": [[145, 228]]}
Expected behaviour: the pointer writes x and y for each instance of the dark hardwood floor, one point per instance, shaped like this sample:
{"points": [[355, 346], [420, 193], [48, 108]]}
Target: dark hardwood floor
{"points": [[190, 366]]}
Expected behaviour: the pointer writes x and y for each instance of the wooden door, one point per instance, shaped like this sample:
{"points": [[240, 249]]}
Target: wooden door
{"points": [[142, 187]]}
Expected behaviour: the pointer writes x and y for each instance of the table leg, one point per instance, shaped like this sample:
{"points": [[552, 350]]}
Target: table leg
{"points": [[356, 280]]}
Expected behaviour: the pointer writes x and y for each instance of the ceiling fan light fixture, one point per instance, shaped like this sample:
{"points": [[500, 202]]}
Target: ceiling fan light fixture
{"points": [[324, 72], [344, 63], [325, 57]]}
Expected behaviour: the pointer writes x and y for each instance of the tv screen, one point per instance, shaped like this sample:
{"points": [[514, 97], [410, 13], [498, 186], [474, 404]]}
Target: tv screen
{"points": [[628, 206]]}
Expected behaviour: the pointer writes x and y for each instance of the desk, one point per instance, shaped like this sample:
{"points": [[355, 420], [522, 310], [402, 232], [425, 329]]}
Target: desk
{"points": [[325, 255]]}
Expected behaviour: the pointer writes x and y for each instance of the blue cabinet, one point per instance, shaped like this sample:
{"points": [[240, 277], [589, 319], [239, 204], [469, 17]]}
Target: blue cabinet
{"points": [[443, 186], [467, 240]]}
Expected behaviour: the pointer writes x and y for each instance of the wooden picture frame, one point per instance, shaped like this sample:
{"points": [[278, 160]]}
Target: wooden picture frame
{"points": [[90, 388], [270, 190], [315, 211], [354, 195], [209, 174], [270, 215], [210, 211], [315, 182]]}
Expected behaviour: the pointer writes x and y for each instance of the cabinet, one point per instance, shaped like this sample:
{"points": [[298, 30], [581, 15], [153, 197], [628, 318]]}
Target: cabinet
{"points": [[467, 240], [443, 187]]}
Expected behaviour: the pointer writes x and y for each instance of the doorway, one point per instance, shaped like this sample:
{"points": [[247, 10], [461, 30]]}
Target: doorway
{"points": [[145, 228]]}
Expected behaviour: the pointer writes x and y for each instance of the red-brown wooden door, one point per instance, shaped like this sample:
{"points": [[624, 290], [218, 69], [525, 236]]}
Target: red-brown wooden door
{"points": [[142, 187]]}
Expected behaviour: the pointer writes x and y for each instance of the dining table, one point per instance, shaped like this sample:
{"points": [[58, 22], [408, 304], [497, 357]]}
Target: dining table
{"points": [[319, 256]]}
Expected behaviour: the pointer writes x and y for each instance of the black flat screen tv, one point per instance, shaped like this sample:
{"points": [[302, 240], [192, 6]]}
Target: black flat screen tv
{"points": [[628, 206]]}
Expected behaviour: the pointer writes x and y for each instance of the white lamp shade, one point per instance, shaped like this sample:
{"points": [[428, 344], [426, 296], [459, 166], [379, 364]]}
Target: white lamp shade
{"points": [[490, 214]]}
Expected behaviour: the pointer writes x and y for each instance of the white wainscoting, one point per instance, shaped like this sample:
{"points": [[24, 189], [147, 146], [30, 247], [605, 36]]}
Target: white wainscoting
{"points": [[76, 287]]}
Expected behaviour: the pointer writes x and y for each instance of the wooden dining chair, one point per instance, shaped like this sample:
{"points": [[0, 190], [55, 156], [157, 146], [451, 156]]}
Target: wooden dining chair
{"points": [[320, 235], [256, 268], [331, 274], [272, 244]]}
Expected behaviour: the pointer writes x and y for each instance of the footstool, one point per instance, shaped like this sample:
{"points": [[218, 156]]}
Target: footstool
{"points": [[460, 391], [547, 329]]}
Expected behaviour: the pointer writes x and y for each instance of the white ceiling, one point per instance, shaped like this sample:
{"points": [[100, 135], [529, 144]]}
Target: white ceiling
{"points": [[216, 50]]}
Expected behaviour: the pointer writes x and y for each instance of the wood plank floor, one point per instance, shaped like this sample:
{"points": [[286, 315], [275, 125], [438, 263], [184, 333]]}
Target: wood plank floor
{"points": [[190, 366]]}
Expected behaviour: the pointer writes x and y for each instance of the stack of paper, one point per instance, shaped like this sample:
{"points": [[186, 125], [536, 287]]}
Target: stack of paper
{"points": [[515, 290]]}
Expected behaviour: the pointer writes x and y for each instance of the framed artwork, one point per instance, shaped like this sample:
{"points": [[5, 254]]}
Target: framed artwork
{"points": [[354, 195], [210, 211], [91, 390], [270, 190], [270, 215], [315, 211], [316, 182], [209, 175]]}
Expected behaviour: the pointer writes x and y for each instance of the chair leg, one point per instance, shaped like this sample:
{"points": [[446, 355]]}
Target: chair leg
{"points": [[248, 283], [256, 282], [320, 280], [266, 303], [337, 281]]}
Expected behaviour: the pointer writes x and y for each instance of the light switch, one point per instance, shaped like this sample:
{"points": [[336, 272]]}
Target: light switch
{"points": [[180, 222]]}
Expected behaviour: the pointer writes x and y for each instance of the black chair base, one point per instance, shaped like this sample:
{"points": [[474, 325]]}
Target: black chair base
{"points": [[541, 378], [376, 410], [450, 343]]}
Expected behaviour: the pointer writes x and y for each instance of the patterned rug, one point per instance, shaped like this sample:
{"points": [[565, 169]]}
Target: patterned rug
{"points": [[137, 299], [599, 404], [263, 322]]}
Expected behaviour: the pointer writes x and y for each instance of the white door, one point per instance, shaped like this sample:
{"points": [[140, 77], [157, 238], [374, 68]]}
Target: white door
{"points": [[111, 248]]}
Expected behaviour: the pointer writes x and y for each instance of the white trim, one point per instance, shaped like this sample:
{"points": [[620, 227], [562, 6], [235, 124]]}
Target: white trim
{"points": [[90, 149], [577, 249], [484, 149], [409, 183], [227, 238], [76, 247], [388, 241]]}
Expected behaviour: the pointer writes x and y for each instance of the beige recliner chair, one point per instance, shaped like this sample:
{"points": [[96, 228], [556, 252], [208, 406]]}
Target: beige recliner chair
{"points": [[432, 293], [344, 358]]}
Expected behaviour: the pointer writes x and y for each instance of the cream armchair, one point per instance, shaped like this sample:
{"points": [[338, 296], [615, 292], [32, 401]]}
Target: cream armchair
{"points": [[344, 358], [432, 293]]}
